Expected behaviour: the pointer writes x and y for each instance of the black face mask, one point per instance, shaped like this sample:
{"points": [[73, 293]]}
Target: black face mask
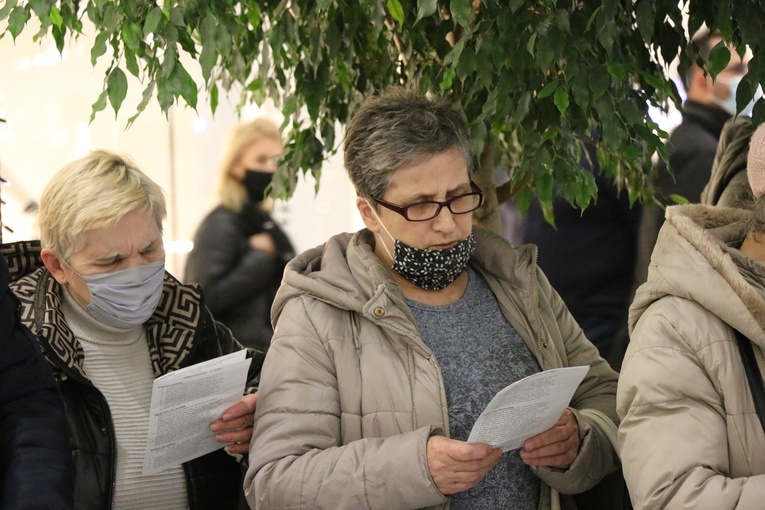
{"points": [[256, 182]]}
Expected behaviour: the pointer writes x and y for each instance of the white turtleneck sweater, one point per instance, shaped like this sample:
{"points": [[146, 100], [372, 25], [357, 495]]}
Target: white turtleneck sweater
{"points": [[117, 362]]}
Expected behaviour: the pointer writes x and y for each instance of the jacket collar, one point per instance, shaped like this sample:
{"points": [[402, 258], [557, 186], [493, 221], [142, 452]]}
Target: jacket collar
{"points": [[711, 118], [170, 330]]}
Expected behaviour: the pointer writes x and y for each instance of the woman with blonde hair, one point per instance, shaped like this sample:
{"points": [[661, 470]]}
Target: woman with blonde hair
{"points": [[110, 320], [239, 251]]}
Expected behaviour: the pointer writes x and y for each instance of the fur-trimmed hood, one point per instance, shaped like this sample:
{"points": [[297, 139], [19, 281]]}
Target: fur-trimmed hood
{"points": [[691, 260]]}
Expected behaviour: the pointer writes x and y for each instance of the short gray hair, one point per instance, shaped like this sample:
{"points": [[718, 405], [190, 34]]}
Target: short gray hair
{"points": [[397, 129]]}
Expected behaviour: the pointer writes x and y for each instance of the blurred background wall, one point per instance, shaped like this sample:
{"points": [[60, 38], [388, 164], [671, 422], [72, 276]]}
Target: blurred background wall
{"points": [[46, 97]]}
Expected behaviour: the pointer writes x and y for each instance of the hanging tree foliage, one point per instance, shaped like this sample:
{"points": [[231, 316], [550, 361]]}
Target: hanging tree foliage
{"points": [[536, 79]]}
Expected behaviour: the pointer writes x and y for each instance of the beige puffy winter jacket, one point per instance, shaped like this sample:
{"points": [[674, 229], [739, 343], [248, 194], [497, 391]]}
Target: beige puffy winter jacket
{"points": [[689, 436], [349, 393]]}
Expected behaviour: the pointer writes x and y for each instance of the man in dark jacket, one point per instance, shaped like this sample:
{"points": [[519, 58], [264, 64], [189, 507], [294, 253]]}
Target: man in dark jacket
{"points": [[600, 243], [110, 320], [35, 461], [692, 145]]}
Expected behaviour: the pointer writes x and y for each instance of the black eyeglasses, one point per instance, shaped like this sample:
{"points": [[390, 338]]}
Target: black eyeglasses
{"points": [[429, 209]]}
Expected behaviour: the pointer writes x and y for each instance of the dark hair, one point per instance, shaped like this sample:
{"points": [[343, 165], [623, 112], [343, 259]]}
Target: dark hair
{"points": [[397, 129]]}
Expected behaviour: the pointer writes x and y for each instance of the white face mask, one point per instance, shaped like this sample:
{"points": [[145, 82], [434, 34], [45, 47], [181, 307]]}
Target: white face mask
{"points": [[729, 104], [125, 298]]}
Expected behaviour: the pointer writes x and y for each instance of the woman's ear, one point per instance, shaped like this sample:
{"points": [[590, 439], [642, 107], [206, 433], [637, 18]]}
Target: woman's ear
{"points": [[367, 214], [54, 265]]}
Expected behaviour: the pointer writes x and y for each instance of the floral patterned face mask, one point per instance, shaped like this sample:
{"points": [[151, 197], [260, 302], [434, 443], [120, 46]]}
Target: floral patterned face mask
{"points": [[429, 269]]}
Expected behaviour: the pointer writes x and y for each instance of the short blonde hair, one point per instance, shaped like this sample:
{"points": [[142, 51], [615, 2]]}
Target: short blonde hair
{"points": [[94, 192], [231, 192]]}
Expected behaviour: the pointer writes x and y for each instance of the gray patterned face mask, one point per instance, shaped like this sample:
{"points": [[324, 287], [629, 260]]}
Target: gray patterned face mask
{"points": [[429, 269]]}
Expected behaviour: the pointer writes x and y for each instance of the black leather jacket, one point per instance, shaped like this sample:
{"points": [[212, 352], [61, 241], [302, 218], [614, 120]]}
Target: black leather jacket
{"points": [[181, 332], [239, 281]]}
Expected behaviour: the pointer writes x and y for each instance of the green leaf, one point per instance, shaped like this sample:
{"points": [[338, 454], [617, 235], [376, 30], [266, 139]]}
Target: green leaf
{"points": [[182, 83], [678, 199], [5, 10], [547, 90], [448, 79], [645, 14], [616, 70], [600, 80], [165, 96], [467, 64], [151, 23], [207, 60], [719, 58], [223, 40], [425, 8], [462, 12], [58, 36], [253, 14], [176, 17], [214, 98], [654, 81], [516, 4], [17, 20], [561, 100], [545, 53], [592, 18], [547, 211], [116, 84], [131, 62], [148, 93], [55, 16], [131, 35], [544, 184], [99, 46], [549, 134], [168, 64], [99, 105], [396, 11], [207, 29]]}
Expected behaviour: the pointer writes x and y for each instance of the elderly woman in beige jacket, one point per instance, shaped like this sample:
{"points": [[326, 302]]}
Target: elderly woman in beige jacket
{"points": [[690, 436], [390, 342]]}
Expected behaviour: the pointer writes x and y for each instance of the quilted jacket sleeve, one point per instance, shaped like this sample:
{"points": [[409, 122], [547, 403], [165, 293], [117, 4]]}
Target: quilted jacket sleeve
{"points": [[597, 392], [674, 433], [297, 455]]}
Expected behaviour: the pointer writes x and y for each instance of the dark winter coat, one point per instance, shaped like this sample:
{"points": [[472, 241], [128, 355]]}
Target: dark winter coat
{"points": [[181, 332], [35, 460], [239, 281], [691, 147]]}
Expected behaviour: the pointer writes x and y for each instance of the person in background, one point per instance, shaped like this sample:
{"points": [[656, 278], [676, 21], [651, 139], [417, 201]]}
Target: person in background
{"points": [[35, 465], [693, 144], [239, 251], [391, 341], [589, 258], [690, 434], [110, 320]]}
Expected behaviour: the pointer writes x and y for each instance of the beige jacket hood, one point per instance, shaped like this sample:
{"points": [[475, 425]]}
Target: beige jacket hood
{"points": [[690, 437], [350, 394]]}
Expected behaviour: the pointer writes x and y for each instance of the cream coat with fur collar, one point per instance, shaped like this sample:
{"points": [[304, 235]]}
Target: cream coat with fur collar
{"points": [[690, 437]]}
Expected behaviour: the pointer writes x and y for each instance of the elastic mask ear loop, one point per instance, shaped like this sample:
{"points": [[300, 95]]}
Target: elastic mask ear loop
{"points": [[384, 228], [73, 270]]}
